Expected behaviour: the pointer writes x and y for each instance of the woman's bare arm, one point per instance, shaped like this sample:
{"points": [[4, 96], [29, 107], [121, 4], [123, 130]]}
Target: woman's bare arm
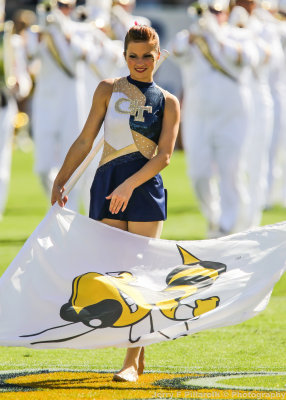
{"points": [[121, 195], [83, 144]]}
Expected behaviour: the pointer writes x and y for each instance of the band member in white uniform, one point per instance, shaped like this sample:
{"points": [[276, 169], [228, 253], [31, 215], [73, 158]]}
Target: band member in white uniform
{"points": [[10, 84], [215, 117], [122, 18], [99, 11], [267, 14], [282, 149], [55, 118], [257, 156]]}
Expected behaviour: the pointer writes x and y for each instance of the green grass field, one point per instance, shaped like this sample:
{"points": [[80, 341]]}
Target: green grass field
{"points": [[256, 345]]}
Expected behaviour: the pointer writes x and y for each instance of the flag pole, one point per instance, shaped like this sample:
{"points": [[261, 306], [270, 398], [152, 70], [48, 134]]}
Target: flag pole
{"points": [[163, 56], [83, 166]]}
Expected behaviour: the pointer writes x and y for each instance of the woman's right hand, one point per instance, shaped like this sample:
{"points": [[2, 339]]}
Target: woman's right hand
{"points": [[57, 195]]}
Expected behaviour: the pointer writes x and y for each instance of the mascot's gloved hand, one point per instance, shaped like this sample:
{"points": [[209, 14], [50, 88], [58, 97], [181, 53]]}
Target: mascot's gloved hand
{"points": [[203, 306]]}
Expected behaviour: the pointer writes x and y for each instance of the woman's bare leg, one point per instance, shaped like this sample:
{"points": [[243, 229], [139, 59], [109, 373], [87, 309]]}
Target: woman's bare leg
{"points": [[151, 229], [130, 365], [135, 356], [141, 362], [134, 360], [129, 370], [116, 223]]}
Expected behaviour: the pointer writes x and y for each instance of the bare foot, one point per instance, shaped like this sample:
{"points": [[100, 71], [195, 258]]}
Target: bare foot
{"points": [[126, 375], [129, 371], [141, 362]]}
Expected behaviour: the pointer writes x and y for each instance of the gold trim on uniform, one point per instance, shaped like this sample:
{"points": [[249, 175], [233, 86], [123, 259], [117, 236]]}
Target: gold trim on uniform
{"points": [[55, 54], [107, 150], [203, 46], [118, 153], [239, 55], [146, 146], [96, 71], [132, 92]]}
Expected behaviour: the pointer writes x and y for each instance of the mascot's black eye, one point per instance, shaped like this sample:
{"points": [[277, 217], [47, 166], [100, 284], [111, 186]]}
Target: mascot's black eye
{"points": [[107, 311], [68, 313]]}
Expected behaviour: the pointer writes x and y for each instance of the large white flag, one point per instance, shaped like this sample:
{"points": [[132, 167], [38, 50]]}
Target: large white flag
{"points": [[81, 284]]}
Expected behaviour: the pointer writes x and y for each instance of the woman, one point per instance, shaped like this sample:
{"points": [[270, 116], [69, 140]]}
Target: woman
{"points": [[140, 127]]}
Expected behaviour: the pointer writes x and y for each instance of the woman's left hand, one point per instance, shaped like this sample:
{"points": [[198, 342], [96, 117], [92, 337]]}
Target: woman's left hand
{"points": [[119, 198]]}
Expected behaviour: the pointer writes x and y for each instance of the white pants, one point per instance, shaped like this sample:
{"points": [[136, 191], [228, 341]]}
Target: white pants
{"points": [[277, 142], [257, 155], [55, 126], [7, 115], [213, 141]]}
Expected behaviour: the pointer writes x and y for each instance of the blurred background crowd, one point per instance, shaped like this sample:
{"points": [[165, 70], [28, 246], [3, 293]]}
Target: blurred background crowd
{"points": [[226, 65]]}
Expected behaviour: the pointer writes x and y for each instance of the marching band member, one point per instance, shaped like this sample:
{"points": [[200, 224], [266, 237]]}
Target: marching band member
{"points": [[281, 16], [215, 114], [99, 12], [9, 85], [277, 79], [122, 18], [56, 91], [258, 145]]}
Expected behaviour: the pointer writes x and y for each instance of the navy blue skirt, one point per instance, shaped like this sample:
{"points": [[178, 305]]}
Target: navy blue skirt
{"points": [[148, 201]]}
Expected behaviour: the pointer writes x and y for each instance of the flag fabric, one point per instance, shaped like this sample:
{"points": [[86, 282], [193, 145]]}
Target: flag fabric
{"points": [[78, 283]]}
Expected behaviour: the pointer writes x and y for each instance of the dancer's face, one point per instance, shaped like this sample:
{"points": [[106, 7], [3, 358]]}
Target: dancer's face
{"points": [[141, 58]]}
